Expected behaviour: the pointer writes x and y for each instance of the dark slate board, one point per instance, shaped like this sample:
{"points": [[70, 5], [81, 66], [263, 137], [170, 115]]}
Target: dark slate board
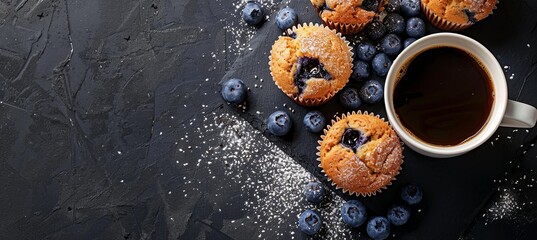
{"points": [[456, 188]]}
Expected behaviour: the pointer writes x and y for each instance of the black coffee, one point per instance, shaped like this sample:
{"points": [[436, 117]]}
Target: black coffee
{"points": [[443, 96]]}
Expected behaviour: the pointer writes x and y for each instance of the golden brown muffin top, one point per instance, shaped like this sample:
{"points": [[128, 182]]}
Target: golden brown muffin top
{"points": [[345, 11], [371, 164], [314, 44], [461, 11]]}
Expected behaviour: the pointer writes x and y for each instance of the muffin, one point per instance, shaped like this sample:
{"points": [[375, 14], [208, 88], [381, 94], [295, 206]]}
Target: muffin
{"points": [[360, 153], [347, 16], [311, 64], [456, 15]]}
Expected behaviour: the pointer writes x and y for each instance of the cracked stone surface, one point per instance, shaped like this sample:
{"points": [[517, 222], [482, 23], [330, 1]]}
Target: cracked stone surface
{"points": [[112, 127]]}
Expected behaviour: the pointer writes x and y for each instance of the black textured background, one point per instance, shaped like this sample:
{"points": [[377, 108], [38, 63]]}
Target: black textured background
{"points": [[94, 97]]}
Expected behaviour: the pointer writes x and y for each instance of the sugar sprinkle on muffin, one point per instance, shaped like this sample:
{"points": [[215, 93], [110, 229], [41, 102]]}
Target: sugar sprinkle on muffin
{"points": [[347, 16], [360, 153], [311, 64], [456, 15]]}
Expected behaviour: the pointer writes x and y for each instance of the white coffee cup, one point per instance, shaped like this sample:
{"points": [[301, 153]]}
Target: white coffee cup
{"points": [[504, 112]]}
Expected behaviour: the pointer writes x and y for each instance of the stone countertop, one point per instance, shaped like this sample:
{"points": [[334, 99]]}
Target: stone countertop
{"points": [[112, 127]]}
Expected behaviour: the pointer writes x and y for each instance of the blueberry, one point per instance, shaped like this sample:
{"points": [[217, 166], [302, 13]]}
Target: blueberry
{"points": [[286, 18], [398, 215], [410, 8], [394, 23], [415, 27], [314, 192], [407, 42], [353, 213], [349, 98], [411, 194], [324, 7], [366, 51], [370, 5], [360, 38], [234, 91], [381, 64], [393, 6], [252, 13], [360, 70], [391, 44], [470, 15], [353, 139], [309, 68], [371, 92], [310, 222], [279, 123], [314, 121], [378, 228], [376, 30]]}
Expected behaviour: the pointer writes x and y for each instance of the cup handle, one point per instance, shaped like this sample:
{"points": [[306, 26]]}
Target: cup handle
{"points": [[519, 115]]}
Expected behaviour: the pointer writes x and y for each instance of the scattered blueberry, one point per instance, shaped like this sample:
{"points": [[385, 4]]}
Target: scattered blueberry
{"points": [[411, 194], [393, 6], [371, 92], [394, 23], [410, 8], [391, 44], [381, 64], [234, 91], [398, 215], [310, 222], [353, 213], [353, 139], [314, 121], [407, 42], [360, 71], [415, 27], [366, 51], [279, 123], [286, 18], [370, 5], [378, 228], [314, 192], [360, 38], [252, 13], [349, 98], [376, 30]]}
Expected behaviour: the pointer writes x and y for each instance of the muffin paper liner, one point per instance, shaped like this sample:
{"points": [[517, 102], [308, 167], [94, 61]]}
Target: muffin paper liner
{"points": [[345, 28], [444, 24], [315, 101], [325, 131]]}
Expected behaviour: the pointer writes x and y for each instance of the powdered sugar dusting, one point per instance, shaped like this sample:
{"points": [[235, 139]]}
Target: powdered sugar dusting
{"points": [[505, 207], [271, 181], [510, 202], [239, 32], [478, 4]]}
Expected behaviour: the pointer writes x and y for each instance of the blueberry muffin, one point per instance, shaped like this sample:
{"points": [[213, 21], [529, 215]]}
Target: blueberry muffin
{"points": [[456, 15], [347, 16], [311, 64], [360, 153]]}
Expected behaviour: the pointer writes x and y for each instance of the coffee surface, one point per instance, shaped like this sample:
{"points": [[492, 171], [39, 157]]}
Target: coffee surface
{"points": [[443, 96]]}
